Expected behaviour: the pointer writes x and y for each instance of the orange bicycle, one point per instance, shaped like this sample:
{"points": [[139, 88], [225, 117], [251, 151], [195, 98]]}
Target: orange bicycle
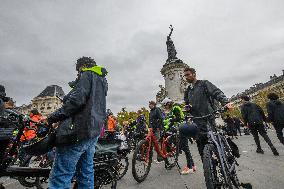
{"points": [[142, 156]]}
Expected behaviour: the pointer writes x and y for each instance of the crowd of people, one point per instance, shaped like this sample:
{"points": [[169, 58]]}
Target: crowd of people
{"points": [[85, 107]]}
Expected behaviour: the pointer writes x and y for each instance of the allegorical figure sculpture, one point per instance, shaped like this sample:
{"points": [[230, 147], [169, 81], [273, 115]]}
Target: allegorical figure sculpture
{"points": [[172, 53]]}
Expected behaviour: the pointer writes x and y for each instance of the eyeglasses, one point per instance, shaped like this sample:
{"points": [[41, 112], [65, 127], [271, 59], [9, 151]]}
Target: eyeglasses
{"points": [[186, 75]]}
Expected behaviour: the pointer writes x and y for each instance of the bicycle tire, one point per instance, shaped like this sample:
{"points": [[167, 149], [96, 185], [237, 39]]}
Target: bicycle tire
{"points": [[172, 143], [125, 169], [142, 147]]}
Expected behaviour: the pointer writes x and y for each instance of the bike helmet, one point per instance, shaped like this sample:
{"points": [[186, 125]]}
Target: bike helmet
{"points": [[166, 101], [188, 129], [40, 146]]}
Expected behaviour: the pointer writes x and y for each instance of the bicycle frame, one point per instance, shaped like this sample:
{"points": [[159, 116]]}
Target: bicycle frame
{"points": [[217, 140], [151, 138]]}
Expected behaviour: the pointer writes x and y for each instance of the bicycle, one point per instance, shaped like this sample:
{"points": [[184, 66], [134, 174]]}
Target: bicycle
{"points": [[143, 153], [105, 161], [219, 160]]}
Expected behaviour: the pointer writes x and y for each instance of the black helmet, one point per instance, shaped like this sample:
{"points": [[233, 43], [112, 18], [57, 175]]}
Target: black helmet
{"points": [[189, 129], [40, 146]]}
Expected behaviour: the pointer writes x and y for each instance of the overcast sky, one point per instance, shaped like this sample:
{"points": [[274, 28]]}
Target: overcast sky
{"points": [[234, 44]]}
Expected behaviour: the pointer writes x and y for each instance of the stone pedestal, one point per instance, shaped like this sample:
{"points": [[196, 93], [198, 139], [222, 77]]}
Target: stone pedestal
{"points": [[175, 83]]}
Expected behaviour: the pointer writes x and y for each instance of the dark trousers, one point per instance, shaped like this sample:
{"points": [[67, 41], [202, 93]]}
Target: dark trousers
{"points": [[279, 132], [184, 147], [187, 132], [259, 128], [201, 141], [238, 128]]}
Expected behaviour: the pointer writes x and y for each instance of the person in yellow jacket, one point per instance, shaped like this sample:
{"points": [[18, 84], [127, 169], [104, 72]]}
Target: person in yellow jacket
{"points": [[174, 118]]}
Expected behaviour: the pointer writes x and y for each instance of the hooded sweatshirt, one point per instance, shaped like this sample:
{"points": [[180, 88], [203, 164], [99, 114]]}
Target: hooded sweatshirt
{"points": [[252, 114]]}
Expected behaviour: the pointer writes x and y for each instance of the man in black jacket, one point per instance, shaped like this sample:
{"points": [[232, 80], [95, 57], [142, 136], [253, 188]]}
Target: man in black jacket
{"points": [[201, 96], [86, 105], [156, 123], [254, 117], [275, 110]]}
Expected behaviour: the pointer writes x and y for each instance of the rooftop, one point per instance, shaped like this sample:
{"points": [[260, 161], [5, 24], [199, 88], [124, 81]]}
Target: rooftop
{"points": [[52, 90]]}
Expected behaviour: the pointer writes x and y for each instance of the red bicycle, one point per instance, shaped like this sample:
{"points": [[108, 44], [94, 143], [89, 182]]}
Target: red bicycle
{"points": [[142, 156]]}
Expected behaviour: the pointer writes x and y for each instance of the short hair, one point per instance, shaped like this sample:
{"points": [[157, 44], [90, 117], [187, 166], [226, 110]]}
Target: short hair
{"points": [[245, 98], [272, 96], [192, 70], [35, 111], [85, 61], [152, 102]]}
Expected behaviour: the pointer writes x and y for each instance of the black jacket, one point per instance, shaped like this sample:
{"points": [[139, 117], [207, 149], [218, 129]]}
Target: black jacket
{"points": [[201, 97], [275, 110], [155, 118], [86, 104], [252, 114]]}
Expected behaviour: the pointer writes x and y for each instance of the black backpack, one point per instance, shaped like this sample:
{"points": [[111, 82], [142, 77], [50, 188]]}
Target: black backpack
{"points": [[279, 113]]}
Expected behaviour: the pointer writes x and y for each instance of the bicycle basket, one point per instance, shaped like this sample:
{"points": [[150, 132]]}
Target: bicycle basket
{"points": [[105, 146]]}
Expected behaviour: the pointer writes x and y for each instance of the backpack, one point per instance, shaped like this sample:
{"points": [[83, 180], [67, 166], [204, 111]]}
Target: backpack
{"points": [[279, 113], [213, 103]]}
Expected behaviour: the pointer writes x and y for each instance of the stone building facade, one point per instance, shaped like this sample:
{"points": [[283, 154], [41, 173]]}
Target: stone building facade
{"points": [[275, 84], [175, 83], [46, 102]]}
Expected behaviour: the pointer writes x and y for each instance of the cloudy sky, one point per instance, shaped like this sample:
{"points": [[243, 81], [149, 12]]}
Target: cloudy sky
{"points": [[234, 44]]}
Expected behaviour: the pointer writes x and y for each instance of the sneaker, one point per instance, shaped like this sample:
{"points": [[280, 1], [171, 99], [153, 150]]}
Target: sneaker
{"points": [[275, 152], [186, 171], [194, 168], [260, 151]]}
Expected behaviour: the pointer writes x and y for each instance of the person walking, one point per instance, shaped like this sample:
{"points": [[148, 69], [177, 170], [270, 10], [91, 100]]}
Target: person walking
{"points": [[254, 117], [275, 110], [85, 105]]}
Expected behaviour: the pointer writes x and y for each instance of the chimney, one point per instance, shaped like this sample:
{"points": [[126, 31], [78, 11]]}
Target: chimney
{"points": [[282, 72]]}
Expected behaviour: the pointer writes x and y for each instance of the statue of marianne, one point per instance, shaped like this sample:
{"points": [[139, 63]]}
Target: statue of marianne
{"points": [[172, 53]]}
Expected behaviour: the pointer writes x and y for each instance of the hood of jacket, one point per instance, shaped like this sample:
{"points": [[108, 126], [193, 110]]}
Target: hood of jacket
{"points": [[101, 71]]}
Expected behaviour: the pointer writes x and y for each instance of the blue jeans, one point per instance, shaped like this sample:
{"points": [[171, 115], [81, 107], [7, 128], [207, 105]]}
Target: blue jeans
{"points": [[77, 158]]}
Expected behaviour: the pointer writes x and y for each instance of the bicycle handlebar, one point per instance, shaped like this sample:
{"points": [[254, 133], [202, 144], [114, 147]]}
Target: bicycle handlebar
{"points": [[215, 112]]}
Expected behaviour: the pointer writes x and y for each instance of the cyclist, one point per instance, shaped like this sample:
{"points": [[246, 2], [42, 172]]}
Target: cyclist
{"points": [[156, 123], [174, 117], [140, 129], [200, 99]]}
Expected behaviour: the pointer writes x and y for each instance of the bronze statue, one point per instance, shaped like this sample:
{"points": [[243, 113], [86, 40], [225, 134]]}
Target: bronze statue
{"points": [[170, 46]]}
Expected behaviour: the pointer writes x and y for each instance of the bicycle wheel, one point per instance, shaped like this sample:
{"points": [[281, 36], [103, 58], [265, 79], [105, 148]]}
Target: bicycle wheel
{"points": [[122, 166], [172, 152], [231, 159], [140, 163], [105, 178], [213, 173]]}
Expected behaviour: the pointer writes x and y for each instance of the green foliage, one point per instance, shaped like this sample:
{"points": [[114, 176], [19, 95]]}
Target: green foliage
{"points": [[124, 115]]}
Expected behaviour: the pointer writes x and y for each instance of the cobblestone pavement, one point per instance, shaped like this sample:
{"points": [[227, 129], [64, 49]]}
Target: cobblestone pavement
{"points": [[262, 171]]}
